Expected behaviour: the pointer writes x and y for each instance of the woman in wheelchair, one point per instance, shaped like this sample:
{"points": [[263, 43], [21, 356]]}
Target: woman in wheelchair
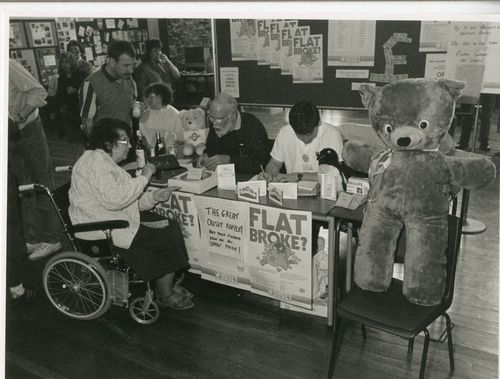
{"points": [[102, 190]]}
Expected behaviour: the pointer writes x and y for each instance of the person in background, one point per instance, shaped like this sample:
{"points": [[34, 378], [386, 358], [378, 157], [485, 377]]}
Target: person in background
{"points": [[487, 102], [156, 67], [160, 116], [110, 91], [17, 254], [30, 161], [67, 98], [102, 190], [81, 68], [297, 144], [234, 137]]}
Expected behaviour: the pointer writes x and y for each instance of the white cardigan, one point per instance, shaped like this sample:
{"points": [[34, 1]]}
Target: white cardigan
{"points": [[101, 190]]}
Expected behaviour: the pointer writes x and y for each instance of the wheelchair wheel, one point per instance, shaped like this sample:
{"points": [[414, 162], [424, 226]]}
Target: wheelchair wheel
{"points": [[76, 285], [144, 310]]}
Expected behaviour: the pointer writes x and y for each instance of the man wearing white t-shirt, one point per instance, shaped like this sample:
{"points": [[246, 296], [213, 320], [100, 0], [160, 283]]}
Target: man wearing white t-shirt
{"points": [[297, 144]]}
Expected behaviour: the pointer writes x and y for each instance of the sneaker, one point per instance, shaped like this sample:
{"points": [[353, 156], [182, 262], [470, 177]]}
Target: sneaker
{"points": [[44, 250], [485, 147], [461, 147]]}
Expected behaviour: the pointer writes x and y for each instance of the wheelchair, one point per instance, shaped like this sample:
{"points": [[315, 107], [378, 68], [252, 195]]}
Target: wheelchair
{"points": [[84, 283]]}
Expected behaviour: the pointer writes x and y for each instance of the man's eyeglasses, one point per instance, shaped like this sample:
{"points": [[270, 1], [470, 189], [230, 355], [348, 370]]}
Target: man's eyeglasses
{"points": [[74, 51], [218, 120]]}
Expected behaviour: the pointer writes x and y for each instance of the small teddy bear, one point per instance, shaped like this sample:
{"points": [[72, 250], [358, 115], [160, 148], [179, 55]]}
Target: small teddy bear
{"points": [[195, 131], [411, 182]]}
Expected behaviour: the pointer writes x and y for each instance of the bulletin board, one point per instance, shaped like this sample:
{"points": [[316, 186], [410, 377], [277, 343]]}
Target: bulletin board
{"points": [[17, 36], [41, 33], [261, 85], [96, 33]]}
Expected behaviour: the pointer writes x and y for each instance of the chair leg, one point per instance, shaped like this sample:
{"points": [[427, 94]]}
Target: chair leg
{"points": [[450, 342], [363, 331], [410, 345], [337, 338], [424, 354]]}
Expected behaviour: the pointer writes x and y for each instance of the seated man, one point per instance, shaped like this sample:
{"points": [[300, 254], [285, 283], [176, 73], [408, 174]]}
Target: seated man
{"points": [[297, 144], [235, 137], [102, 190]]}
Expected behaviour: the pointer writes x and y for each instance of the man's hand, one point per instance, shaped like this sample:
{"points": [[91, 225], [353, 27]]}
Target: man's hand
{"points": [[212, 162], [265, 176], [163, 194], [148, 170]]}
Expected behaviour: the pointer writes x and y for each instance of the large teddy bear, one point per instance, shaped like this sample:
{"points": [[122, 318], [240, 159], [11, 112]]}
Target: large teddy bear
{"points": [[411, 182], [195, 131]]}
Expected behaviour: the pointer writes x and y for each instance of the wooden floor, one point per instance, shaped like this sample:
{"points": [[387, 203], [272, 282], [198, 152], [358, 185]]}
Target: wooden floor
{"points": [[235, 334]]}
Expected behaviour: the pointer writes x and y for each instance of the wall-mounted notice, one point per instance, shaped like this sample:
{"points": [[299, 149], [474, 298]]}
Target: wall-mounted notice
{"points": [[287, 58], [230, 81], [222, 224], [243, 39], [491, 81], [391, 60], [352, 74], [41, 34], [435, 66], [263, 42], [275, 43], [308, 57], [466, 57], [351, 43], [182, 208], [434, 35], [278, 254]]}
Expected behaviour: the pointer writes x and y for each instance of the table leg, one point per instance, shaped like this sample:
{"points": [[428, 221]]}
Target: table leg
{"points": [[348, 266], [332, 280]]}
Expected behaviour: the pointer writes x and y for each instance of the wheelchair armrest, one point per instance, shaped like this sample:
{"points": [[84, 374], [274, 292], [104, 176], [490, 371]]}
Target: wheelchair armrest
{"points": [[99, 225]]}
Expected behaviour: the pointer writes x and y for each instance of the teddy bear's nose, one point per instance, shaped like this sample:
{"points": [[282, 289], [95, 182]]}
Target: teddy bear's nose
{"points": [[404, 141]]}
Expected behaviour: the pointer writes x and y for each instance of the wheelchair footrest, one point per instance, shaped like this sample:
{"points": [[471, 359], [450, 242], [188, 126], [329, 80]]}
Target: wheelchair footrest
{"points": [[118, 287]]}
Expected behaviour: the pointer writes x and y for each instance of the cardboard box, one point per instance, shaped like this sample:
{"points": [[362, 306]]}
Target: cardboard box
{"points": [[208, 181]]}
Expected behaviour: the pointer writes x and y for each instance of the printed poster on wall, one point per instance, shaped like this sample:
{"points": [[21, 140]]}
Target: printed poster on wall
{"points": [[491, 80], [434, 36], [222, 225], [230, 81], [466, 57], [278, 254], [181, 207], [275, 43], [351, 43], [308, 57], [41, 34], [263, 42], [288, 59], [435, 66], [243, 39]]}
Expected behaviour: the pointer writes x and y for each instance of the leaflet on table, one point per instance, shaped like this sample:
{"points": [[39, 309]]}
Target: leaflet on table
{"points": [[226, 178], [222, 225], [289, 189], [278, 254], [181, 207]]}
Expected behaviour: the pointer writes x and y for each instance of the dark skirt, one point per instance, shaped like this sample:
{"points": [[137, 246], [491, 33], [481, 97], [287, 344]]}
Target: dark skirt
{"points": [[157, 252]]}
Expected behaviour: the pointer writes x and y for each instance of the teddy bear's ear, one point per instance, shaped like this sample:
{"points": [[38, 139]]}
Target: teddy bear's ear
{"points": [[367, 94], [181, 112], [454, 87]]}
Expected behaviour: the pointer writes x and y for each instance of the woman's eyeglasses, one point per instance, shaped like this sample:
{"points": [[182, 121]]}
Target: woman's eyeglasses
{"points": [[124, 141]]}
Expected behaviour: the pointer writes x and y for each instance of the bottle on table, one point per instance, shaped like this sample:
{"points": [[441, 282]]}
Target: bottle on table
{"points": [[140, 155], [159, 146], [170, 143]]}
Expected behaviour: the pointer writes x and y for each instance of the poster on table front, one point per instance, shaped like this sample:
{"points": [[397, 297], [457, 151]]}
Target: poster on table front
{"points": [[222, 225], [181, 207], [278, 254]]}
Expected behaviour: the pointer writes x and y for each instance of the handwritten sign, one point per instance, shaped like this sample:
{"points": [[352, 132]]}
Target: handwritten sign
{"points": [[222, 225]]}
